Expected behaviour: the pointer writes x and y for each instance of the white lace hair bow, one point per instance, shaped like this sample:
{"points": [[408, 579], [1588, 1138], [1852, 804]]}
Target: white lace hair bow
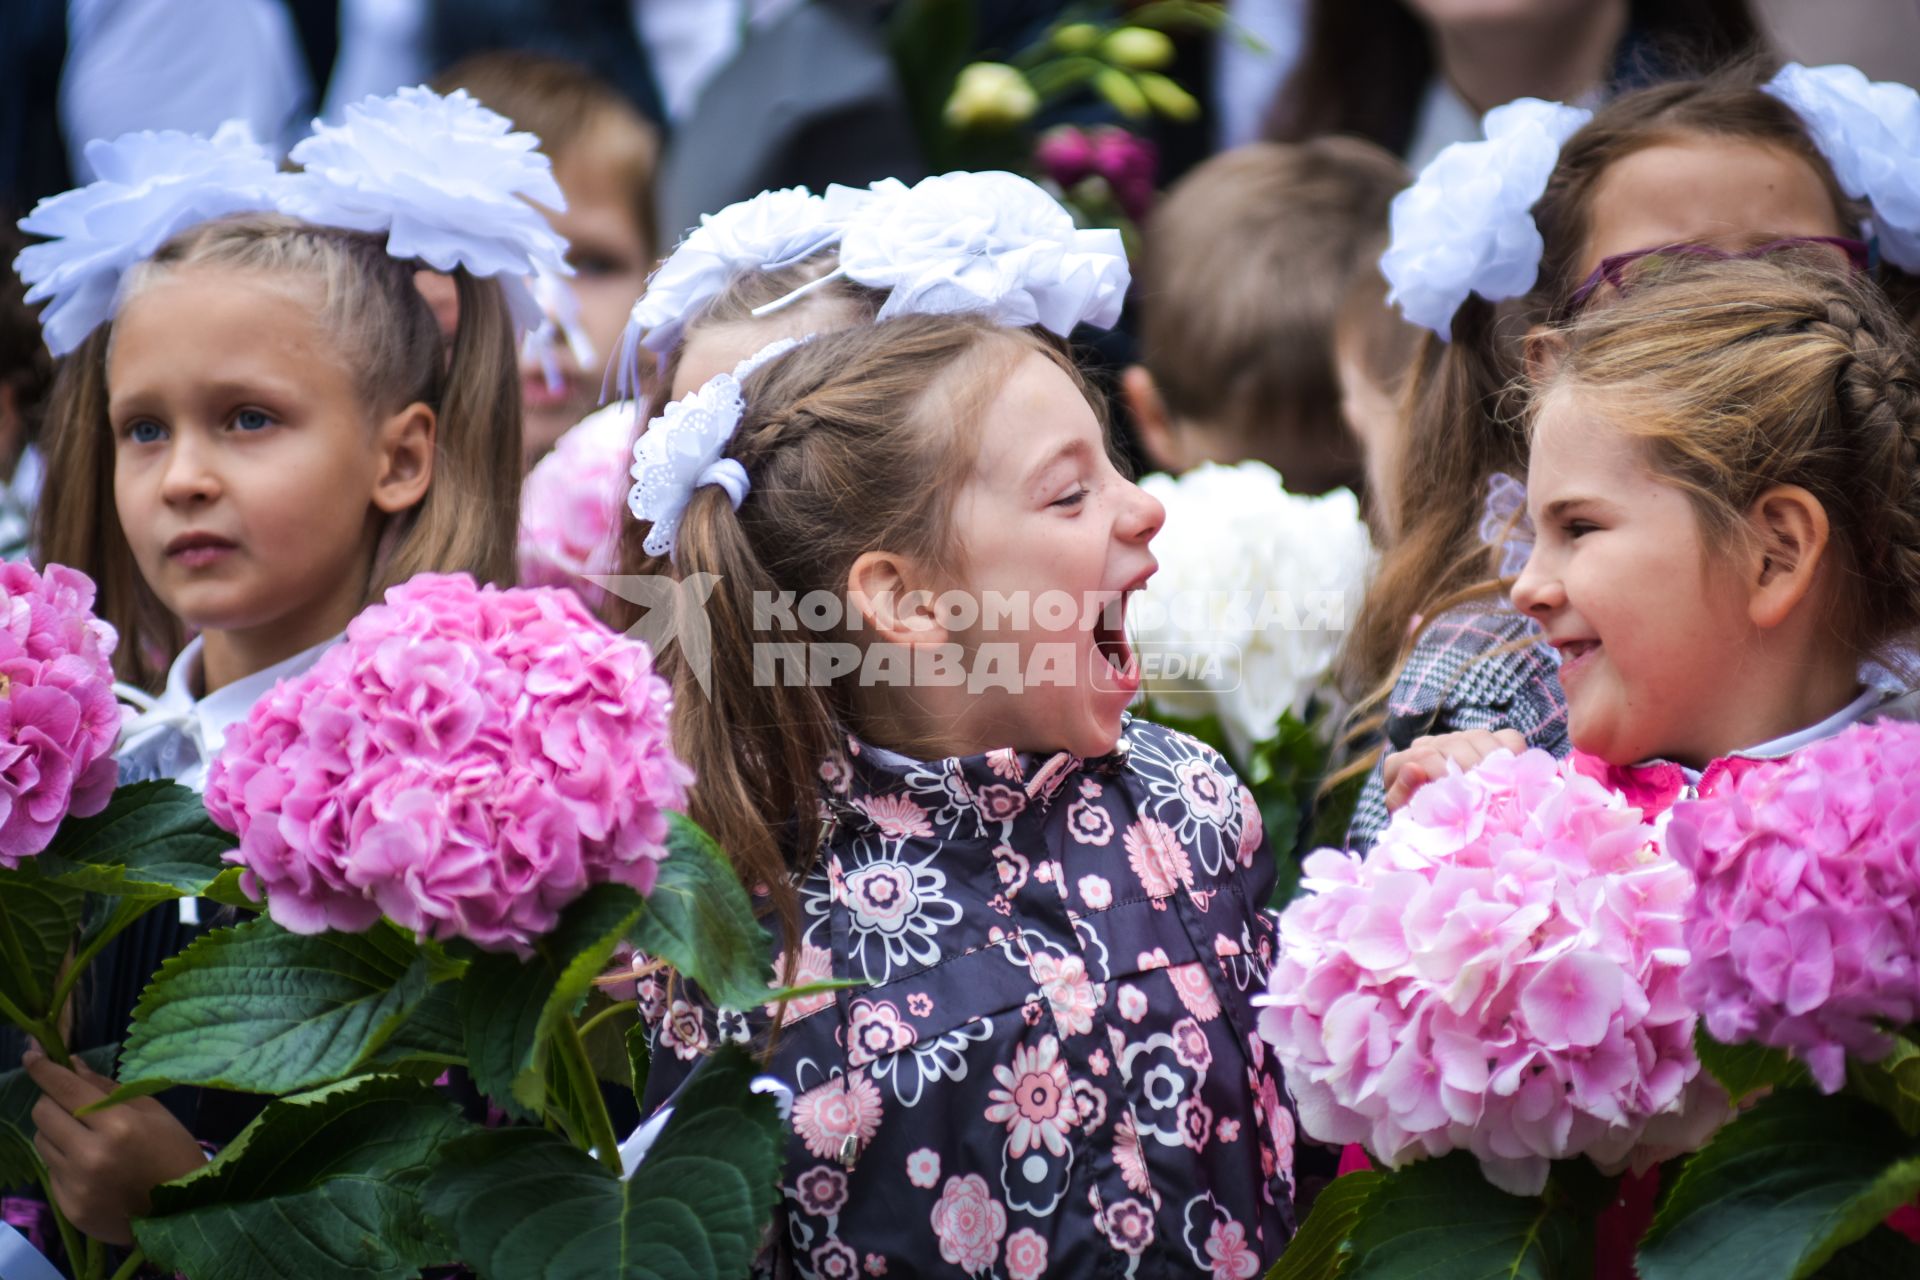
{"points": [[772, 230], [1466, 224], [447, 180], [992, 243], [1869, 131], [151, 186], [685, 448]]}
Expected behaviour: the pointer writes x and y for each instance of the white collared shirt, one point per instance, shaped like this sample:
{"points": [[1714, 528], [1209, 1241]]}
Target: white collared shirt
{"points": [[178, 735]]}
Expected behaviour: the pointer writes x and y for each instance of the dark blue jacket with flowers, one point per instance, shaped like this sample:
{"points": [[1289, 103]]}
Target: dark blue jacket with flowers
{"points": [[1051, 1067]]}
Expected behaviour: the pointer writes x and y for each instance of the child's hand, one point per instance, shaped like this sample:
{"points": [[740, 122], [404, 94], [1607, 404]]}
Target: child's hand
{"points": [[1407, 771], [104, 1166]]}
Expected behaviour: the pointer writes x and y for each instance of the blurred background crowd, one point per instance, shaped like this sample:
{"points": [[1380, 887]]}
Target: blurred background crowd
{"points": [[1248, 149]]}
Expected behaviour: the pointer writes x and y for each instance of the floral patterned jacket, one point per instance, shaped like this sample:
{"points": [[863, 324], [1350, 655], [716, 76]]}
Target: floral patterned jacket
{"points": [[1051, 1067]]}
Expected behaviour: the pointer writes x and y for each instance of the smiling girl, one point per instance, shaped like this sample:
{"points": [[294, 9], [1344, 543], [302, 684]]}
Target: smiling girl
{"points": [[1725, 480], [1053, 914]]}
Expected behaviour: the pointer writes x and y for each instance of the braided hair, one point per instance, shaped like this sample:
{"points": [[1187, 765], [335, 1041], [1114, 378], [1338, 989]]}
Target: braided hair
{"points": [[1739, 376], [856, 441]]}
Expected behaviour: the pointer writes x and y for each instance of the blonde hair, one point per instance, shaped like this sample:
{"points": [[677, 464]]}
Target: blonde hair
{"points": [[385, 333], [856, 441], [1738, 376]]}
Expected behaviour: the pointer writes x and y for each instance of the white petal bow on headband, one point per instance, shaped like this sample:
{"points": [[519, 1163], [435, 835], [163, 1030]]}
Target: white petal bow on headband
{"points": [[151, 186], [977, 242], [1870, 133], [1466, 224], [685, 448], [986, 242], [446, 179], [449, 182]]}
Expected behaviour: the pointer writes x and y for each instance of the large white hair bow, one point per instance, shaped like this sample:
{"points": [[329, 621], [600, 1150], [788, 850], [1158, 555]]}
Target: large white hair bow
{"points": [[1466, 224], [685, 448], [151, 186], [991, 242], [446, 179], [1869, 132]]}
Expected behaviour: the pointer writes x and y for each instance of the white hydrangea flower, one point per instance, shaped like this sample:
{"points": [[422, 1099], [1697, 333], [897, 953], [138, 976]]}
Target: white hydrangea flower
{"points": [[151, 186], [1869, 132], [1466, 224], [1260, 578], [449, 182], [987, 242]]}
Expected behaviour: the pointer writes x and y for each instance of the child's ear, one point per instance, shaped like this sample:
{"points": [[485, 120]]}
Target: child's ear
{"points": [[884, 590], [406, 443], [1151, 422], [1791, 531]]}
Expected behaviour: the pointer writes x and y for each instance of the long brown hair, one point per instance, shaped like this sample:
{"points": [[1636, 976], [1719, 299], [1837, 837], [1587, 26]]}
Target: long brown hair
{"points": [[855, 441], [1736, 377], [386, 334], [1366, 64], [1462, 417]]}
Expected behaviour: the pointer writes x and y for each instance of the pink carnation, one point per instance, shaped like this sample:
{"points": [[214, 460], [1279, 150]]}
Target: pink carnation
{"points": [[58, 716], [572, 502], [467, 762], [1500, 974], [1805, 932]]}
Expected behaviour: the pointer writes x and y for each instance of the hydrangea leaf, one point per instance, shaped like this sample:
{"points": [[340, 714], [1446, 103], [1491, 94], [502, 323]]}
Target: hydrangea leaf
{"points": [[1781, 1189], [700, 921], [262, 1010], [321, 1186], [509, 1008], [153, 840], [1441, 1220], [524, 1204]]}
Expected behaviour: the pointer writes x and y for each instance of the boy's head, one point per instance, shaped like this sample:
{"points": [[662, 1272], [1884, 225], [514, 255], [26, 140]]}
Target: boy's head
{"points": [[604, 155], [1243, 271], [26, 366]]}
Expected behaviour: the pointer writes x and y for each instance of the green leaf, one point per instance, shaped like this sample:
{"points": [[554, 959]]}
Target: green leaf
{"points": [[700, 921], [508, 1008], [153, 840], [429, 1040], [321, 1185], [1892, 1084], [639, 1059], [262, 1010], [1744, 1070], [1320, 1248], [19, 1164], [522, 1204], [1780, 1189], [1442, 1220], [38, 917]]}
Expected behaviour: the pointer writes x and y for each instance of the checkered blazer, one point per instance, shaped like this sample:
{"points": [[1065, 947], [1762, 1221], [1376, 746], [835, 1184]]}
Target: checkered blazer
{"points": [[1472, 669]]}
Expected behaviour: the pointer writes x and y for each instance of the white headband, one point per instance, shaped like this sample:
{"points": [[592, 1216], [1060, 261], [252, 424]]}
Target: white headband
{"points": [[447, 181]]}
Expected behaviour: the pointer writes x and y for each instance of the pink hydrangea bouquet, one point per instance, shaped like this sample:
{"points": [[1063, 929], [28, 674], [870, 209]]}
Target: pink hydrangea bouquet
{"points": [[58, 715], [572, 504], [1500, 974], [1805, 929], [466, 762]]}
